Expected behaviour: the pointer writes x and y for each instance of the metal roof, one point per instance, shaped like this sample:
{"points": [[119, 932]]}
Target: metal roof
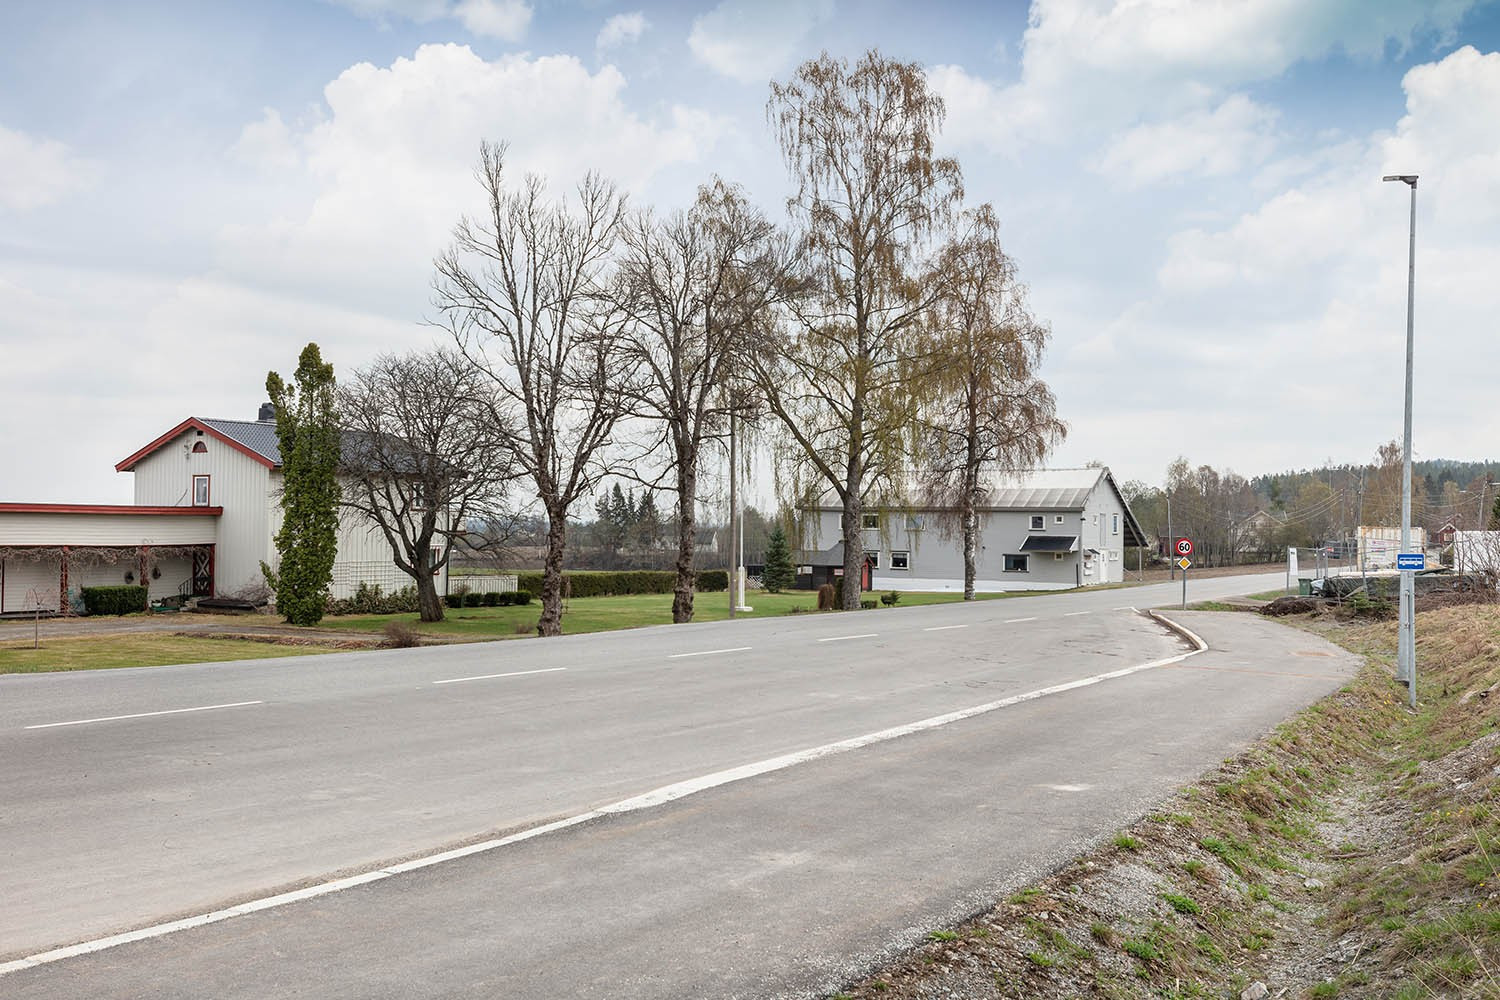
{"points": [[257, 435], [1050, 543]]}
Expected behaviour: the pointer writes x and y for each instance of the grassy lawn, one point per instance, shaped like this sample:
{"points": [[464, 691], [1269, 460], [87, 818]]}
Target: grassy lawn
{"points": [[1271, 595], [601, 614], [135, 651]]}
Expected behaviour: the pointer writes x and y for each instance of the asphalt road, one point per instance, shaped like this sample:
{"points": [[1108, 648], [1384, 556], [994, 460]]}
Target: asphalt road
{"points": [[780, 883]]}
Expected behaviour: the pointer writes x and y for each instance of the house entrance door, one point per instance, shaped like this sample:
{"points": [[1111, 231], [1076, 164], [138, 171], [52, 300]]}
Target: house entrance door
{"points": [[203, 572]]}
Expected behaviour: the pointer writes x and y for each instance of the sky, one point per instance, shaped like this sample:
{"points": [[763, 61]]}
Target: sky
{"points": [[190, 192]]}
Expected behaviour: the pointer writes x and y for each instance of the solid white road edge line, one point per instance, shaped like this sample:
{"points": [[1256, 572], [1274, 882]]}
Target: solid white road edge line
{"points": [[943, 628], [490, 677], [841, 638], [1075, 614], [1017, 621], [660, 796], [145, 715], [709, 652]]}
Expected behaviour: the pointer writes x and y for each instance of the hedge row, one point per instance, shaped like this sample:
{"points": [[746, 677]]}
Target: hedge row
{"points": [[640, 581], [120, 600], [491, 599]]}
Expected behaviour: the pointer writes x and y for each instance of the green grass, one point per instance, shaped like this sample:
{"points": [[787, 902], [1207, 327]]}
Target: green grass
{"points": [[1127, 842], [145, 650], [1182, 904], [602, 614], [941, 936]]}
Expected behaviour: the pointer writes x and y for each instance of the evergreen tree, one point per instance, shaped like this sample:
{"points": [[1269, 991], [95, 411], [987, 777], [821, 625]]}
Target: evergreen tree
{"points": [[308, 433], [779, 573]]}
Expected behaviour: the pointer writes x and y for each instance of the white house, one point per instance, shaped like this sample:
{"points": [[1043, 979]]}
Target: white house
{"points": [[1047, 529], [205, 515]]}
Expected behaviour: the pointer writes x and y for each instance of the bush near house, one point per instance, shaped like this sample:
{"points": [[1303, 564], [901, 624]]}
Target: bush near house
{"points": [[121, 600], [369, 599], [488, 599], [622, 583]]}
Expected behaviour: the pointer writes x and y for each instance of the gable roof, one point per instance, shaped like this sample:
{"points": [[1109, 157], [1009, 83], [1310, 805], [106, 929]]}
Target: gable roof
{"points": [[241, 435]]}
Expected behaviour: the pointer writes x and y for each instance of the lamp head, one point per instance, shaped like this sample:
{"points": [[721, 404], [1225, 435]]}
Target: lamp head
{"points": [[1404, 178]]}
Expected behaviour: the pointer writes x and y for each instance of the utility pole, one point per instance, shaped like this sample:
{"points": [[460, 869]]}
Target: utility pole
{"points": [[1171, 540], [1406, 649], [734, 514]]}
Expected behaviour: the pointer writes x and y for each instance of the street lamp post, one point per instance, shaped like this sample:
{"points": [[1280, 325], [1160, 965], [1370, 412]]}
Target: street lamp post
{"points": [[1406, 645]]}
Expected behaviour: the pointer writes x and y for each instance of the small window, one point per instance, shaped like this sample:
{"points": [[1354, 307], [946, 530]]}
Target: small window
{"points": [[915, 522], [874, 557], [1015, 564], [900, 560], [1058, 557], [1038, 522], [870, 520], [1058, 519], [199, 448], [200, 491], [1115, 521], [433, 555]]}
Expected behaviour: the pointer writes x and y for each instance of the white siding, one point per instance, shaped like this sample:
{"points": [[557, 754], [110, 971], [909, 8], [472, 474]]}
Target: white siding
{"points": [[21, 576], [105, 529], [238, 483]]}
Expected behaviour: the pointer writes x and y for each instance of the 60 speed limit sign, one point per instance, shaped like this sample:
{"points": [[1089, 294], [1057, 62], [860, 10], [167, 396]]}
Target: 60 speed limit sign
{"points": [[1184, 546]]}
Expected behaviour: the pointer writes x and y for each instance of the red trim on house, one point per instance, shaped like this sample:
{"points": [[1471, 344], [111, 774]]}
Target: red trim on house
{"points": [[191, 423], [86, 508]]}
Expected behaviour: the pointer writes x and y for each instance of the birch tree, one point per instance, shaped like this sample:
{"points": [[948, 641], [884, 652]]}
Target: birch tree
{"points": [[986, 412], [522, 293], [844, 373], [694, 285]]}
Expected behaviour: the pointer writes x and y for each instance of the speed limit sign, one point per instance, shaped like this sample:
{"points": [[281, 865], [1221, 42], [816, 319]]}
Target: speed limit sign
{"points": [[1184, 546]]}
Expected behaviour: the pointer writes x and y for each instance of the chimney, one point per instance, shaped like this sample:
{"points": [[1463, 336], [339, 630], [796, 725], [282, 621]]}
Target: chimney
{"points": [[267, 413]]}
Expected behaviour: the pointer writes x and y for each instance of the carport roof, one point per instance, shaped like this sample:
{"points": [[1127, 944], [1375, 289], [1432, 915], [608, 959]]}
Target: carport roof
{"points": [[1050, 543]]}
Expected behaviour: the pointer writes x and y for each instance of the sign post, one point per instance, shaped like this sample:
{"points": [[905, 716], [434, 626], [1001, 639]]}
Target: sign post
{"points": [[1184, 548], [1291, 566]]}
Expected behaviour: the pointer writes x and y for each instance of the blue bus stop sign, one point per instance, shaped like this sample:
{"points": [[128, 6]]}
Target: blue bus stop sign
{"points": [[1411, 560]]}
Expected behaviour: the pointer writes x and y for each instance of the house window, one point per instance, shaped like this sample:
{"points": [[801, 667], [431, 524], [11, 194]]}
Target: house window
{"points": [[200, 491], [199, 448], [1015, 564], [869, 520], [900, 560], [874, 557], [1038, 522], [915, 522], [1057, 519], [1115, 522], [433, 555]]}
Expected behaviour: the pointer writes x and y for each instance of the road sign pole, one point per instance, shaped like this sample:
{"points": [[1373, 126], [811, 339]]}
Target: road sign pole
{"points": [[1184, 588]]}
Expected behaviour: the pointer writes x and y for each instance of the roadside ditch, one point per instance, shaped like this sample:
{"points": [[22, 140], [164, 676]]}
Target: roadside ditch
{"points": [[1354, 852]]}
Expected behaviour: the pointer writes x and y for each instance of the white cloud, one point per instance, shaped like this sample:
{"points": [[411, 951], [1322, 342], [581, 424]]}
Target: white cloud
{"points": [[36, 171], [1296, 308], [1235, 136], [1091, 65], [506, 20], [267, 144], [750, 42], [622, 29], [390, 165]]}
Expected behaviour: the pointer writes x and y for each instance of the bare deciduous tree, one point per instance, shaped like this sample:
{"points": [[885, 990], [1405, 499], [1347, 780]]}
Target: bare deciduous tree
{"points": [[987, 410], [693, 286], [846, 370], [521, 293], [423, 454]]}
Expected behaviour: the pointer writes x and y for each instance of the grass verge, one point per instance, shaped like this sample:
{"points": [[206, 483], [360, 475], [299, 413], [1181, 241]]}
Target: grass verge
{"points": [[1354, 852], [143, 650]]}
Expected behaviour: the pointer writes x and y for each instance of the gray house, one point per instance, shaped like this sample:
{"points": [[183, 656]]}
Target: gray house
{"points": [[1048, 529]]}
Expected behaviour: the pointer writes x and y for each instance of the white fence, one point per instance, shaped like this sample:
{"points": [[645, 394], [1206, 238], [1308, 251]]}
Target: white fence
{"points": [[483, 583]]}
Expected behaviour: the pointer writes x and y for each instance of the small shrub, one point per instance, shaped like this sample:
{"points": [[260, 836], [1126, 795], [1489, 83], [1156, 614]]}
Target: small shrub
{"points": [[1141, 949], [827, 595], [868, 605], [491, 599], [1182, 904], [401, 635], [122, 600], [521, 597], [941, 936], [889, 600], [453, 600], [1126, 841]]}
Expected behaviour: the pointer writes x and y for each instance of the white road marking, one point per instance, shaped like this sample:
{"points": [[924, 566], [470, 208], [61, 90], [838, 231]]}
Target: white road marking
{"points": [[709, 652], [943, 628], [1067, 788], [1017, 621], [841, 638], [1125, 609], [1075, 614], [490, 677], [660, 796], [145, 715]]}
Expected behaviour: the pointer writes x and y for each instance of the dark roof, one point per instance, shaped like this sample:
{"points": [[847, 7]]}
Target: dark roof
{"points": [[257, 435], [1050, 543]]}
